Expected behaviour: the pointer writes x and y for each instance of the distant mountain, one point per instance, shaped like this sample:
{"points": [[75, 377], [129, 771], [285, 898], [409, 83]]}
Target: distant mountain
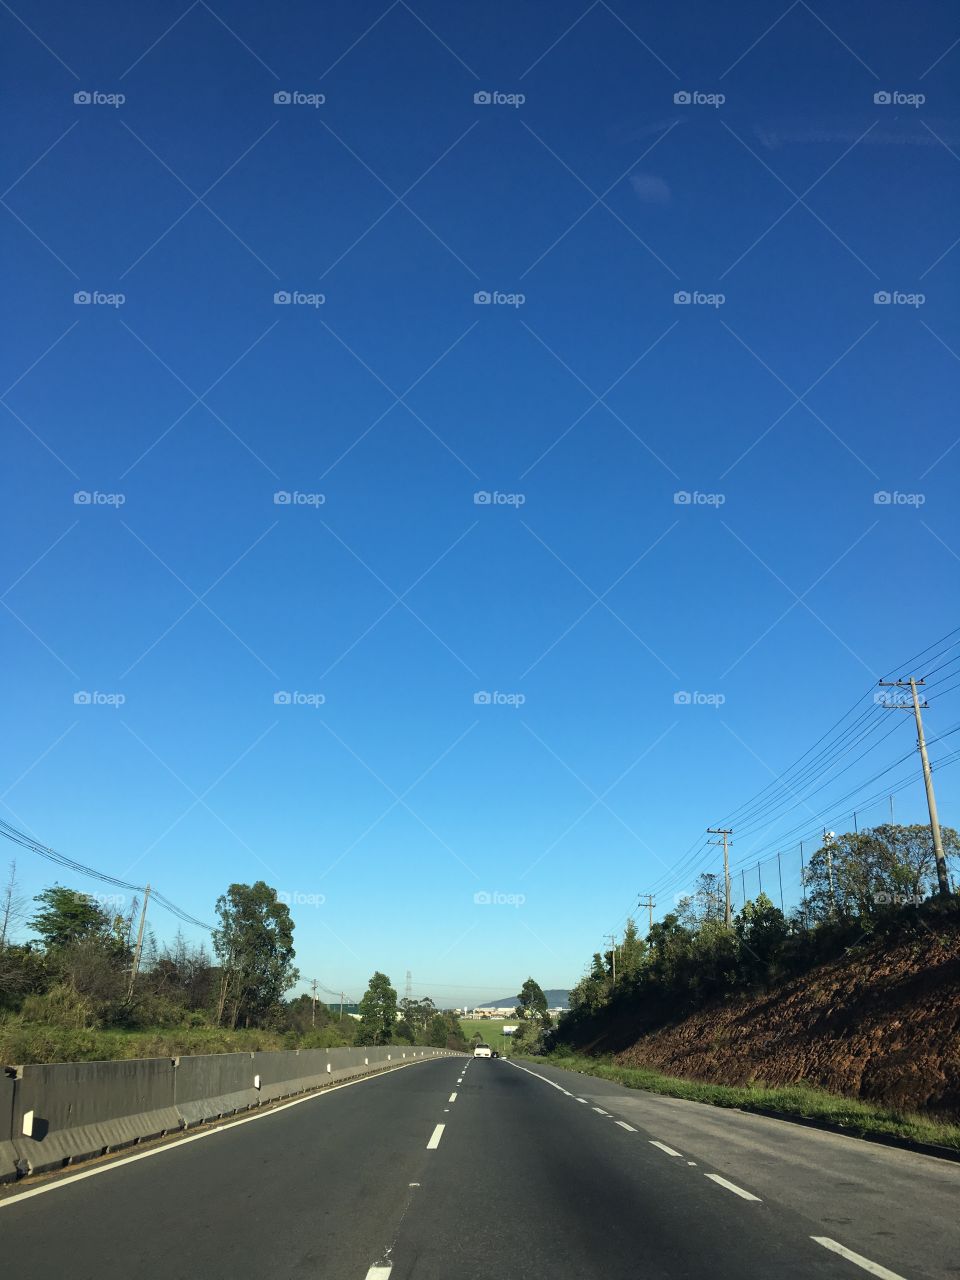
{"points": [[555, 1000]]}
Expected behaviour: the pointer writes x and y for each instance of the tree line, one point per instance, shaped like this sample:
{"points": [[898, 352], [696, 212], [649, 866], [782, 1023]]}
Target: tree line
{"points": [[879, 881], [81, 972]]}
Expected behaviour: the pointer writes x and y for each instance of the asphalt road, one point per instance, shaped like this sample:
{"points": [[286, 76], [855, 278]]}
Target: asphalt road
{"points": [[526, 1173]]}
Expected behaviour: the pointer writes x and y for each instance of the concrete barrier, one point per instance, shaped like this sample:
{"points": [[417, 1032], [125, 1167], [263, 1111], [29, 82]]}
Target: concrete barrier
{"points": [[8, 1153], [210, 1085], [51, 1115], [68, 1111]]}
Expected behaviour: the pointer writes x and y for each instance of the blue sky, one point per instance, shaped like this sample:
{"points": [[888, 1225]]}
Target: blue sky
{"points": [[781, 198]]}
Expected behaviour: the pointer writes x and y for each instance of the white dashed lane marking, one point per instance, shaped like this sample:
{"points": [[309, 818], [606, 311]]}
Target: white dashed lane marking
{"points": [[663, 1147], [600, 1111], [732, 1186], [873, 1267], [452, 1098], [435, 1137], [629, 1127]]}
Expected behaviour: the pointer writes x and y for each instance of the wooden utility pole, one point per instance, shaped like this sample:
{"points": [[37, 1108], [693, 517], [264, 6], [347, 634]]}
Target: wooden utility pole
{"points": [[313, 1010], [341, 1006], [646, 900], [135, 966], [613, 956], [943, 880], [724, 832]]}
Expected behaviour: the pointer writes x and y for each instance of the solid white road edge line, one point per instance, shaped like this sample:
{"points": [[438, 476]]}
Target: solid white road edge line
{"points": [[663, 1147], [552, 1083], [629, 1127], [435, 1137], [859, 1259], [732, 1186], [196, 1137]]}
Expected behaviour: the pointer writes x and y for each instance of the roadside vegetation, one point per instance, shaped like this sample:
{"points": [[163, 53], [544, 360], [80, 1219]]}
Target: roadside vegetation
{"points": [[74, 990], [858, 887]]}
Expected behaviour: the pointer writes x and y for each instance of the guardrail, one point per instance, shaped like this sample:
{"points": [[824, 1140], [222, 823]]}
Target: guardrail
{"points": [[53, 1114]]}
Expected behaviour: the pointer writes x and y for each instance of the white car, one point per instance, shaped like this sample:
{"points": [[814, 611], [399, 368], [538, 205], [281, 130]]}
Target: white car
{"points": [[483, 1051]]}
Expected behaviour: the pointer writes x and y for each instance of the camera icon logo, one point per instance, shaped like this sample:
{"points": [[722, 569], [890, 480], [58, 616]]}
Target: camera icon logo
{"points": [[282, 298], [481, 698], [882, 498], [883, 98], [282, 498], [483, 98], [282, 98], [82, 298], [681, 298], [482, 498], [281, 698], [882, 298], [82, 498], [682, 98], [682, 698], [481, 298], [81, 698], [482, 898], [682, 498], [82, 98]]}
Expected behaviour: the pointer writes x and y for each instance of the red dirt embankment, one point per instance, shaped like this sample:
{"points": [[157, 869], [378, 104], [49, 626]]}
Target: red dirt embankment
{"points": [[881, 1024]]}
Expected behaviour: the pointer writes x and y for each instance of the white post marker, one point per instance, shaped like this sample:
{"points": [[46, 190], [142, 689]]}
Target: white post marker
{"points": [[435, 1137], [873, 1267]]}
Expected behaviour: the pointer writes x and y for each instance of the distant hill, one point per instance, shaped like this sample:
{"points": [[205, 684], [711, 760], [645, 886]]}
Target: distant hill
{"points": [[555, 1000]]}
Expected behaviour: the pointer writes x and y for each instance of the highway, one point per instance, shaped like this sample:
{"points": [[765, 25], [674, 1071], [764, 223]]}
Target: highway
{"points": [[463, 1168]]}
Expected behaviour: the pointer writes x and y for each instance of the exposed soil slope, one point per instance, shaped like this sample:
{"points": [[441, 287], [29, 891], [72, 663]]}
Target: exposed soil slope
{"points": [[881, 1024]]}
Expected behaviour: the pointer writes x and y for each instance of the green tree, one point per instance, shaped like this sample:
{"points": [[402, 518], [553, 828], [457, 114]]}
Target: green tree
{"points": [[254, 946], [66, 917], [378, 1011]]}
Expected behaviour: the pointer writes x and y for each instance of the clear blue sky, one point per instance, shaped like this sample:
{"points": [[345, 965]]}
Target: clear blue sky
{"points": [[597, 400]]}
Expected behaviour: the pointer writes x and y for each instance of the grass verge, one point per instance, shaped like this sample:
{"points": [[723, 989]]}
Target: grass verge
{"points": [[803, 1101]]}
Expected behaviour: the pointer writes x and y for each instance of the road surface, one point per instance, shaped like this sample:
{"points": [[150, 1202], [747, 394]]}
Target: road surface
{"points": [[459, 1169]]}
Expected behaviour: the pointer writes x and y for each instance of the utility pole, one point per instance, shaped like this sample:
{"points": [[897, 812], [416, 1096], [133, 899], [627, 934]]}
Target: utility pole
{"points": [[724, 832], [135, 966], [313, 1011], [613, 955], [646, 900], [341, 1006], [943, 879], [828, 839]]}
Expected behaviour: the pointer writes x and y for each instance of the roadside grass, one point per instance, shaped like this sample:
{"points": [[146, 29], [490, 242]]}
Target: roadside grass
{"points": [[35, 1042], [802, 1100]]}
